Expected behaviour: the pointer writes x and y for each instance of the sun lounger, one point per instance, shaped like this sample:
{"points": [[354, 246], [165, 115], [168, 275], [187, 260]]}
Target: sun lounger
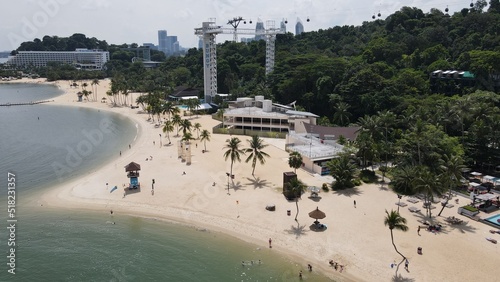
{"points": [[413, 209], [450, 205], [413, 200], [401, 204]]}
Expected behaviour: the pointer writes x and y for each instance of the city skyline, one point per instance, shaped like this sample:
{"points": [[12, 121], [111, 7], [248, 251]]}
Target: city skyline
{"points": [[120, 22]]}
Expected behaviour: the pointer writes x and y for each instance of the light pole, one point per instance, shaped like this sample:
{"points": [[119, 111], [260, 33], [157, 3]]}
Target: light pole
{"points": [[399, 201], [160, 140], [227, 173]]}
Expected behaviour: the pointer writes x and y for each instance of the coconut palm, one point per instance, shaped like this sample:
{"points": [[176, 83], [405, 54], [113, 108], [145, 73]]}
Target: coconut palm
{"points": [[187, 136], [429, 184], [167, 128], [395, 221], [177, 120], [94, 83], [197, 127], [297, 187], [185, 125], [256, 153], [170, 109], [205, 136], [451, 175], [233, 152], [295, 160]]}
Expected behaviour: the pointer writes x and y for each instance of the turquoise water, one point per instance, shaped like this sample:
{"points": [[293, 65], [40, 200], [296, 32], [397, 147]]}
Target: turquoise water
{"points": [[183, 107], [68, 245], [494, 219]]}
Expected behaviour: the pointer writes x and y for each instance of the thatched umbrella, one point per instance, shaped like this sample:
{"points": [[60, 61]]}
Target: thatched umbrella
{"points": [[317, 214]]}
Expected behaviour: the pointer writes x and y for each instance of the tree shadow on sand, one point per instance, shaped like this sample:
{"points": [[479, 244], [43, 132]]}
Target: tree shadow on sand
{"points": [[237, 186], [298, 230], [348, 192], [384, 186], [257, 182]]}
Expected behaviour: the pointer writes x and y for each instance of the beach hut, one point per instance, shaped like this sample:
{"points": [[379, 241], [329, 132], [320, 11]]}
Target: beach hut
{"points": [[132, 170]]}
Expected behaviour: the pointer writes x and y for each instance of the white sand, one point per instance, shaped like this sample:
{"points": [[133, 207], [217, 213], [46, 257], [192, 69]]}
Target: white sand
{"points": [[356, 237]]}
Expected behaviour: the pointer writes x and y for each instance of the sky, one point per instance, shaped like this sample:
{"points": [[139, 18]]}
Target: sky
{"points": [[133, 21]]}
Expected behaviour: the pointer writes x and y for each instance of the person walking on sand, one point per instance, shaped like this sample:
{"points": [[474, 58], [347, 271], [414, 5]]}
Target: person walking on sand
{"points": [[300, 275], [354, 203], [270, 243], [418, 230], [309, 266], [406, 264]]}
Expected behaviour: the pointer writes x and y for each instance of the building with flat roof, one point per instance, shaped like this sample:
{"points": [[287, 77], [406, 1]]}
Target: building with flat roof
{"points": [[318, 144], [264, 115], [80, 58]]}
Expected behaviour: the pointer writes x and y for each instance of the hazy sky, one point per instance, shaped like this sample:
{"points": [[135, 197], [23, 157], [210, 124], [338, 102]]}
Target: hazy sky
{"points": [[133, 21]]}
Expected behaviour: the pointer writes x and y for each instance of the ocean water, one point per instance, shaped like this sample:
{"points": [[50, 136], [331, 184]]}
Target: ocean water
{"points": [[67, 245]]}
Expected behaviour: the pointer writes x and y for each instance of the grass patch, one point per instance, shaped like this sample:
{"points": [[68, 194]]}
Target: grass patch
{"points": [[470, 208]]}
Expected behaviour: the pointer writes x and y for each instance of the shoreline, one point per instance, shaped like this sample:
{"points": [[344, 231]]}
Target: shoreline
{"points": [[356, 236]]}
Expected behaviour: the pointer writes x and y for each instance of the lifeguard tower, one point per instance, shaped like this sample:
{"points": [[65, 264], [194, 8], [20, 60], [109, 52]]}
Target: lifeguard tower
{"points": [[132, 170]]}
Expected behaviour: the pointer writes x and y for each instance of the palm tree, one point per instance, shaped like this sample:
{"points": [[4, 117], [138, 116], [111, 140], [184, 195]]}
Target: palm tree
{"points": [[185, 125], [177, 120], [256, 153], [233, 152], [451, 175], [187, 136], [197, 127], [342, 114], [395, 221], [295, 160], [167, 128], [342, 170], [205, 136], [297, 187], [170, 109], [95, 82], [429, 184]]}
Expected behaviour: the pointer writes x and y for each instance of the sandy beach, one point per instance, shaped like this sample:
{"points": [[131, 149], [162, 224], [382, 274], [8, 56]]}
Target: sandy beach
{"points": [[356, 236]]}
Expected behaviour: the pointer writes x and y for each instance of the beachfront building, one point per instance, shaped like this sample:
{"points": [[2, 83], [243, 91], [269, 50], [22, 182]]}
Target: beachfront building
{"points": [[318, 144], [249, 115], [80, 58]]}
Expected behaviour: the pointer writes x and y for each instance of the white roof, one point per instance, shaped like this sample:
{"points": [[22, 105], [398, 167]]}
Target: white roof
{"points": [[476, 173], [485, 197], [488, 177], [204, 106], [188, 97], [474, 184]]}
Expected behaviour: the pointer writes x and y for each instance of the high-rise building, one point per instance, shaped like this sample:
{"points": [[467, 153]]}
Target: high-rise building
{"points": [[162, 41], [283, 26], [299, 27], [260, 31]]}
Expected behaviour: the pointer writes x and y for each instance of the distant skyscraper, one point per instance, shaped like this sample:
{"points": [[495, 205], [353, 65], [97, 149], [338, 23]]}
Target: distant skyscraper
{"points": [[200, 44], [299, 27], [162, 41], [283, 26], [260, 30]]}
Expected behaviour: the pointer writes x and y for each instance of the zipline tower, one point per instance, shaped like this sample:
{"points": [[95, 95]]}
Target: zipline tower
{"points": [[209, 31]]}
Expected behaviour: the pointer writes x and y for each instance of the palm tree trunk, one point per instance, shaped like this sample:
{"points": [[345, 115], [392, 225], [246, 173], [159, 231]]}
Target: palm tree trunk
{"points": [[395, 248], [297, 204], [205, 143]]}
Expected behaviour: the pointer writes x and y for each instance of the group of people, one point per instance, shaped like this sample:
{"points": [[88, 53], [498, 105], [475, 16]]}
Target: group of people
{"points": [[336, 265]]}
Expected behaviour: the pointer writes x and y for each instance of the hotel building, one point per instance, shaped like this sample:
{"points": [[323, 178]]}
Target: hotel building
{"points": [[80, 58]]}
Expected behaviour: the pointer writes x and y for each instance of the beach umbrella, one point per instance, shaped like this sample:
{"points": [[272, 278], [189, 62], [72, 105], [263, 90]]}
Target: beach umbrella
{"points": [[317, 214]]}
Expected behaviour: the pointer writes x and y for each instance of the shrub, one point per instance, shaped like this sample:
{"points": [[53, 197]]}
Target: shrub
{"points": [[325, 187], [368, 176]]}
